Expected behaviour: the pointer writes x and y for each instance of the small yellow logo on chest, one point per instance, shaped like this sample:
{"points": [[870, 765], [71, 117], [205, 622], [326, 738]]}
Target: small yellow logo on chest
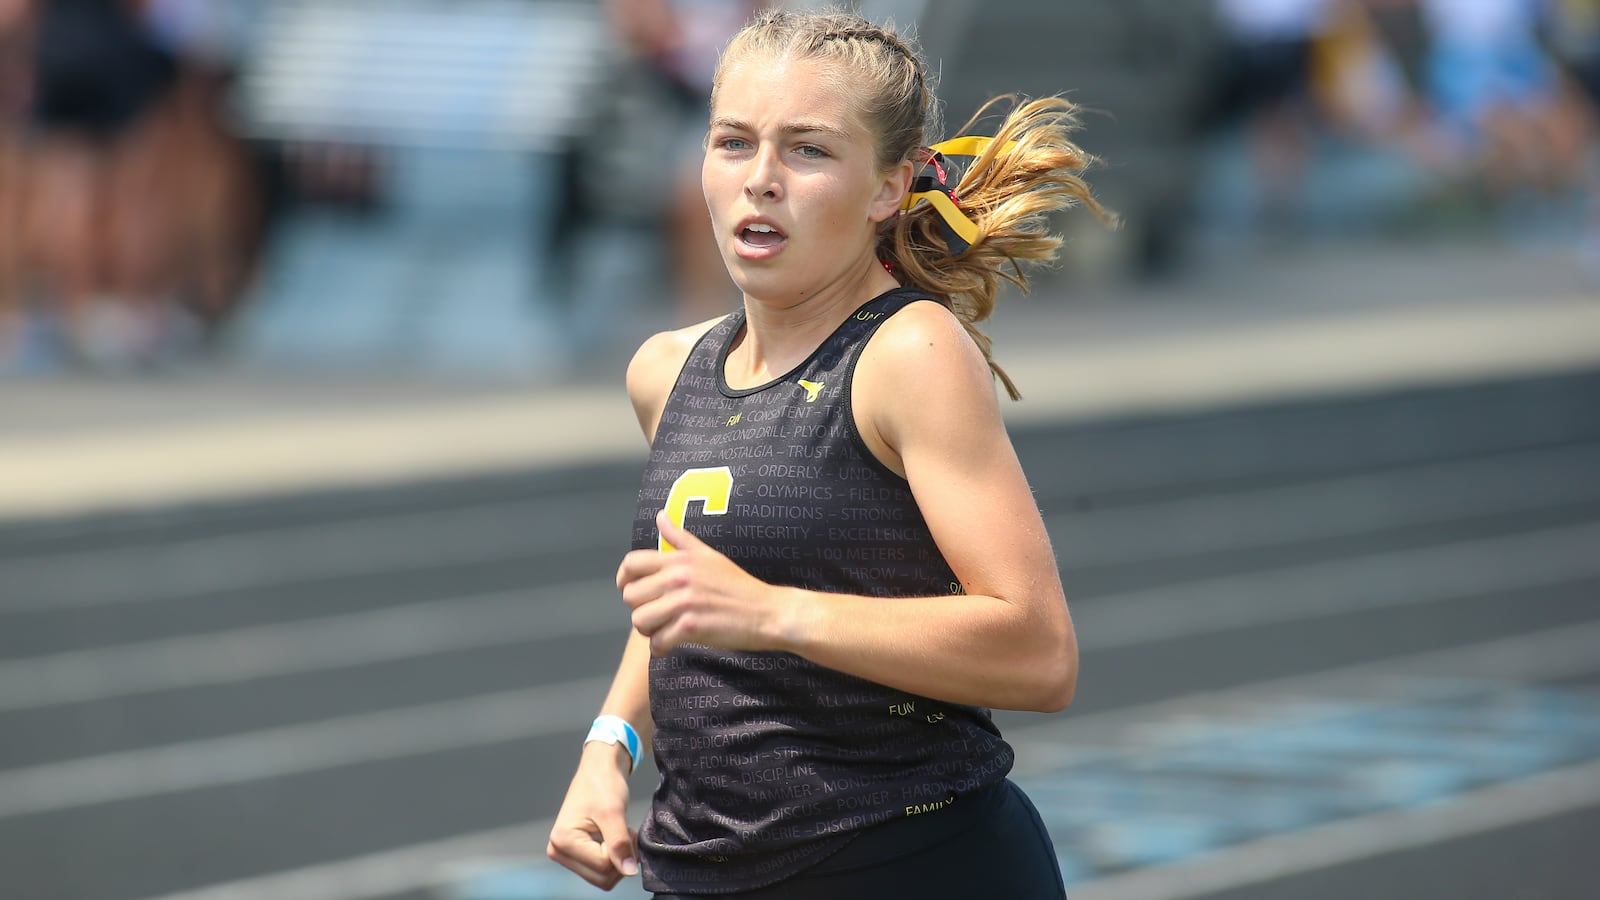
{"points": [[813, 388]]}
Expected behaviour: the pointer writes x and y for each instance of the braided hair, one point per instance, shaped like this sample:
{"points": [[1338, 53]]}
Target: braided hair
{"points": [[1008, 191]]}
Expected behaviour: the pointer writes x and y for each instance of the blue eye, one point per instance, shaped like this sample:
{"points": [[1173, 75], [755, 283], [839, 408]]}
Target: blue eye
{"points": [[810, 152], [734, 144]]}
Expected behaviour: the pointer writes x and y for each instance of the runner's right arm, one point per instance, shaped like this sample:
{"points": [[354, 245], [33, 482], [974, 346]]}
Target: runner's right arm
{"points": [[591, 834]]}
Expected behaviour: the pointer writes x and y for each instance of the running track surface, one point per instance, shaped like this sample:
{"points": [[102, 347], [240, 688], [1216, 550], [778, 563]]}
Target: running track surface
{"points": [[1331, 647]]}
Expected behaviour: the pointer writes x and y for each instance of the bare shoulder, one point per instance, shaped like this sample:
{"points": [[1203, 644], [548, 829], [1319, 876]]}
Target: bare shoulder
{"points": [[921, 375], [924, 350], [654, 370]]}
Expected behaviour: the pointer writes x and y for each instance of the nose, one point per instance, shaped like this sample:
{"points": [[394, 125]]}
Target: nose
{"points": [[764, 178]]}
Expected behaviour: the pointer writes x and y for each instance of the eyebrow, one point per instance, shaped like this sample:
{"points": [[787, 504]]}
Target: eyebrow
{"points": [[786, 128]]}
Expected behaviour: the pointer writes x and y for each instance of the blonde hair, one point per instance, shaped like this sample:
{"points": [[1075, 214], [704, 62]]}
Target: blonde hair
{"points": [[1030, 170]]}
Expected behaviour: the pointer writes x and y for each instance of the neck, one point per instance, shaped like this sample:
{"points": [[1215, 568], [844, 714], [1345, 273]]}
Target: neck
{"points": [[778, 336]]}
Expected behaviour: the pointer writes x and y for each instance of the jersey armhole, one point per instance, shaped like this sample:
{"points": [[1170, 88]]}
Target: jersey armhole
{"points": [[683, 368], [851, 426]]}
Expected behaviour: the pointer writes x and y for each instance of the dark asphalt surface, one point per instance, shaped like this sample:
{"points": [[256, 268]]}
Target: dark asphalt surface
{"points": [[209, 695]]}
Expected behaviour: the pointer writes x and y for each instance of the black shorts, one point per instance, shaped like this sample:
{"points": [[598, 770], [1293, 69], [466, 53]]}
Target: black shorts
{"points": [[96, 72], [992, 845]]}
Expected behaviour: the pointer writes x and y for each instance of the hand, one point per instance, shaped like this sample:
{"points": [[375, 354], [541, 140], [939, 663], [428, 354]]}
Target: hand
{"points": [[591, 834], [695, 595]]}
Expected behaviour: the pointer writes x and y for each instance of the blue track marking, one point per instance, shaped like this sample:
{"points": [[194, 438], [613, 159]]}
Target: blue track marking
{"points": [[1188, 789], [1212, 787]]}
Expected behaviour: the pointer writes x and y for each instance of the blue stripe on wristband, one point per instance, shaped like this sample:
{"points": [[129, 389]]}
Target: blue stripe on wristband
{"points": [[616, 730]]}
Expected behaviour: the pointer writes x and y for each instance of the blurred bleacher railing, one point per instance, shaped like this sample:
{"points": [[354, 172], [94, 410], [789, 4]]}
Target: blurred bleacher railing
{"points": [[469, 103], [472, 74], [463, 103]]}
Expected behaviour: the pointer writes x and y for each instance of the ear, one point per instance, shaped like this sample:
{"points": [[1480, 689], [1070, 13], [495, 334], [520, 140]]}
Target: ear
{"points": [[891, 191]]}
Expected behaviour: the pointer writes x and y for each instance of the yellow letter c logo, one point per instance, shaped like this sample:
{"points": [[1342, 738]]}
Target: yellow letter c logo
{"points": [[712, 487]]}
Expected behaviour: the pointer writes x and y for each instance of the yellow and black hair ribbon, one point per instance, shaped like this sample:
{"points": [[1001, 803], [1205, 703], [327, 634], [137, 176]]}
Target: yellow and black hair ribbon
{"points": [[935, 185]]}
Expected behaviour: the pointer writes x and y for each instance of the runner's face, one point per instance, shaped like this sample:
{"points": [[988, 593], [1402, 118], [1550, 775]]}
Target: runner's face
{"points": [[791, 179]]}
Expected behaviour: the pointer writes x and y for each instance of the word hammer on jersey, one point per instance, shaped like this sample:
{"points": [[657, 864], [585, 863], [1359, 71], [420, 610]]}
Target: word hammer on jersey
{"points": [[813, 388]]}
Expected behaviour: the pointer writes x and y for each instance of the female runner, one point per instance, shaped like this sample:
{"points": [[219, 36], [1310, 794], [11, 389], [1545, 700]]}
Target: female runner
{"points": [[838, 565]]}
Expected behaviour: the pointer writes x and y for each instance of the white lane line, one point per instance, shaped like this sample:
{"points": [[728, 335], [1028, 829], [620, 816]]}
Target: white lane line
{"points": [[380, 874], [1344, 506], [1530, 657], [333, 642], [292, 554], [413, 541], [1351, 840], [550, 709], [1549, 655], [1342, 586], [296, 749], [1351, 585]]}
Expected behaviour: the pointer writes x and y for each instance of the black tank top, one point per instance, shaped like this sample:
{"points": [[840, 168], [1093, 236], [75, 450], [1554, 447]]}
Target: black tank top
{"points": [[769, 762]]}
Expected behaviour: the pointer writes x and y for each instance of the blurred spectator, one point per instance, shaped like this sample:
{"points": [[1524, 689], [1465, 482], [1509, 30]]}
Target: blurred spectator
{"points": [[1497, 97], [219, 220], [137, 204], [1265, 84], [1461, 92], [672, 48], [1573, 34], [1397, 25], [1367, 70], [99, 171], [16, 41]]}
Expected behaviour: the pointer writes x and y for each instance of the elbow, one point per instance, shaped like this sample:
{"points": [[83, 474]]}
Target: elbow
{"points": [[1059, 700], [1058, 681], [1057, 694]]}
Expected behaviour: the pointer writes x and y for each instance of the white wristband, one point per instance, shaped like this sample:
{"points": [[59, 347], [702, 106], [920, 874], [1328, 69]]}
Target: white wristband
{"points": [[616, 730]]}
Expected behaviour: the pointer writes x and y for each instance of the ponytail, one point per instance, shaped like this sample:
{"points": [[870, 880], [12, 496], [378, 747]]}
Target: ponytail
{"points": [[1003, 198]]}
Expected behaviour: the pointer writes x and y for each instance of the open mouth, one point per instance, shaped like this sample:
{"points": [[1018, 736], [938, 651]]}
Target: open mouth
{"points": [[759, 235]]}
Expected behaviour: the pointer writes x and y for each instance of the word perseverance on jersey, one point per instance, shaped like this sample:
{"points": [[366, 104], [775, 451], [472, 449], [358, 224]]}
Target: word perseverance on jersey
{"points": [[770, 762]]}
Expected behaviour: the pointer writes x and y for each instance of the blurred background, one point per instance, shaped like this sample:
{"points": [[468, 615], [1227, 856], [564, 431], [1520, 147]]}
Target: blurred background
{"points": [[315, 461]]}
